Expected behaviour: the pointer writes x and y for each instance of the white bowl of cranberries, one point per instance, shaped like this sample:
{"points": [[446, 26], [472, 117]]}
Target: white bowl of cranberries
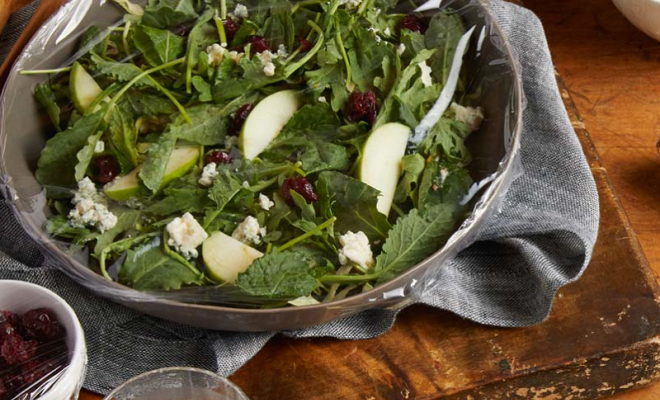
{"points": [[42, 345]]}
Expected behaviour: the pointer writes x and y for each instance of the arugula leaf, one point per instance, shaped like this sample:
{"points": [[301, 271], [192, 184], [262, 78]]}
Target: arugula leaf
{"points": [[123, 139], [355, 206], [125, 221], [323, 156], [145, 104], [279, 27], [153, 169], [92, 40], [157, 46], [58, 159], [412, 166], [85, 156], [121, 71], [58, 225], [414, 238], [203, 88], [224, 189], [443, 182], [444, 32], [167, 13], [149, 268], [180, 201], [446, 138], [311, 122], [366, 57], [279, 276], [45, 96], [329, 76], [130, 7], [209, 125]]}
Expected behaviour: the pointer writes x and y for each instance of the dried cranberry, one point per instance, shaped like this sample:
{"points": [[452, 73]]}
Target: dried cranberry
{"points": [[181, 29], [33, 370], [14, 382], [231, 27], [218, 157], [362, 107], [300, 185], [305, 45], [42, 324], [4, 390], [412, 23], [9, 323], [240, 117], [105, 168], [15, 350], [259, 44]]}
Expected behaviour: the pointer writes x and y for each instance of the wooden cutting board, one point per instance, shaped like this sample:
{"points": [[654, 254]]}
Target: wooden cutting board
{"points": [[602, 336]]}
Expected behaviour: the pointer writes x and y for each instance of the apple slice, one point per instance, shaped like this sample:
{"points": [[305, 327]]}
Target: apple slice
{"points": [[380, 166], [122, 189], [84, 89], [267, 120], [181, 161], [226, 257]]}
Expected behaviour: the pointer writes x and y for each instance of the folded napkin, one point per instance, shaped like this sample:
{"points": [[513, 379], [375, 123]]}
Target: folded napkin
{"points": [[541, 239]]}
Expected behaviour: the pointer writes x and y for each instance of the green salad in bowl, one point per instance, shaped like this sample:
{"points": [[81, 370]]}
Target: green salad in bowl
{"points": [[298, 152]]}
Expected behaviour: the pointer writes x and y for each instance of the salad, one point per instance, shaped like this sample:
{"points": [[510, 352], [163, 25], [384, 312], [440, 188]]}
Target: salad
{"points": [[286, 152]]}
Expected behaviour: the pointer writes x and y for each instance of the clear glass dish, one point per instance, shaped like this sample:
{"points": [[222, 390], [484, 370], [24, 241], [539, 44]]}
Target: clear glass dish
{"points": [[178, 383]]}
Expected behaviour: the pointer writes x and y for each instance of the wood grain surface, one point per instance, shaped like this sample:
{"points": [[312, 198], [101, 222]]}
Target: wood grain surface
{"points": [[602, 336]]}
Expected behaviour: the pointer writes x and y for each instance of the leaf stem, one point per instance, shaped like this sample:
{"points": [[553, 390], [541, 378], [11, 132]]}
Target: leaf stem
{"points": [[221, 31], [176, 256], [304, 3], [119, 245], [344, 55], [348, 278], [309, 234], [223, 9], [124, 38], [148, 72], [45, 71], [290, 69]]}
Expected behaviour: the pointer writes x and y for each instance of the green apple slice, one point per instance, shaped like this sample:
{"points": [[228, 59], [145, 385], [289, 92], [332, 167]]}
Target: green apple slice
{"points": [[181, 161], [380, 166], [122, 189], [84, 89], [226, 257], [267, 120]]}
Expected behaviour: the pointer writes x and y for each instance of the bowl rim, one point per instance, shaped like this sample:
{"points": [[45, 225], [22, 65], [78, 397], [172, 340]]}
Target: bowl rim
{"points": [[77, 365], [504, 173], [166, 370]]}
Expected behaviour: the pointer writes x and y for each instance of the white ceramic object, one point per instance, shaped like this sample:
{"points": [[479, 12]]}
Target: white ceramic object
{"points": [[644, 14], [20, 297]]}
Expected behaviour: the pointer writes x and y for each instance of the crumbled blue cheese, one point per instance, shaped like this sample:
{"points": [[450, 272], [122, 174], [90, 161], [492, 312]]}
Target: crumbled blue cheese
{"points": [[246, 184], [266, 59], [322, 99], [304, 301], [282, 51], [209, 173], [355, 249], [216, 53], [387, 32], [373, 29], [249, 232], [186, 235], [378, 39], [241, 11], [350, 4], [236, 56], [401, 49], [426, 78], [134, 203], [90, 208], [100, 147], [472, 117], [265, 202]]}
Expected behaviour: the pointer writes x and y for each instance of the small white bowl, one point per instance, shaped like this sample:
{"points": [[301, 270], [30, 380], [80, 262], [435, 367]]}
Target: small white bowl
{"points": [[644, 14], [20, 297]]}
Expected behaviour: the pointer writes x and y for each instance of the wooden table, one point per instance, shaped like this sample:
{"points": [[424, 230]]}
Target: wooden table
{"points": [[611, 72]]}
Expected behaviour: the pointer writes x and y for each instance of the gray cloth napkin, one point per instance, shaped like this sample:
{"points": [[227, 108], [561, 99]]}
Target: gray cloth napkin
{"points": [[541, 240]]}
